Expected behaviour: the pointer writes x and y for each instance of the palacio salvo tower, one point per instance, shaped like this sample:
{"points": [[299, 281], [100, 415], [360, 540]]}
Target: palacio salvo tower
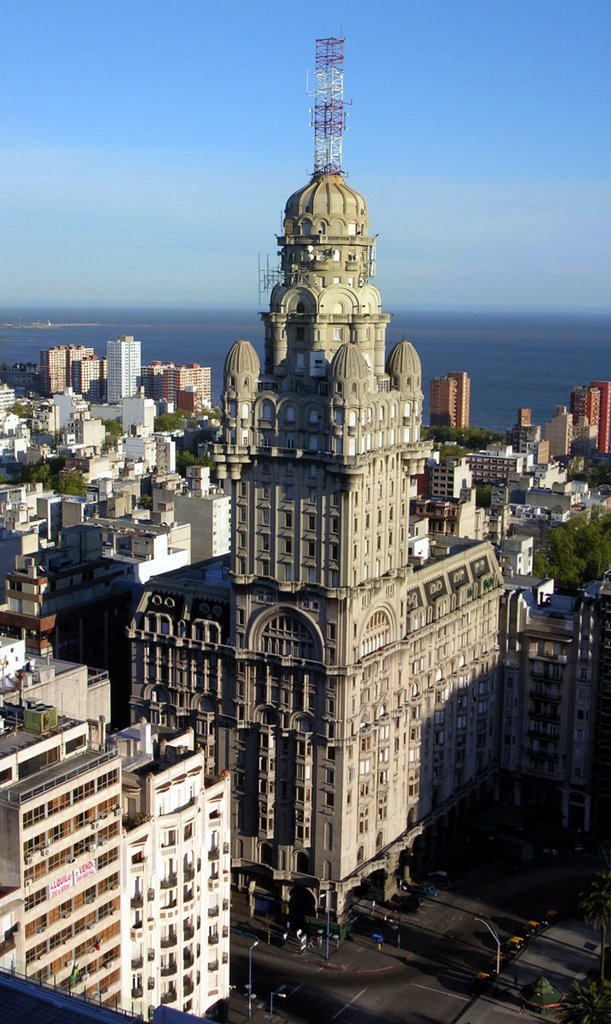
{"points": [[357, 695]]}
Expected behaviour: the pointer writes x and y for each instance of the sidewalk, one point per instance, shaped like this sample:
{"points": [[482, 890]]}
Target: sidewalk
{"points": [[564, 953]]}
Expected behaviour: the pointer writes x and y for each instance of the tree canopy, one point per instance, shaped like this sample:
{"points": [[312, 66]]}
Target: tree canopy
{"points": [[113, 429], [577, 552], [469, 438], [587, 1004], [170, 421], [596, 908]]}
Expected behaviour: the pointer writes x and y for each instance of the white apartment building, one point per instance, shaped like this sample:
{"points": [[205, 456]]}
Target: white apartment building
{"points": [[123, 367], [176, 870]]}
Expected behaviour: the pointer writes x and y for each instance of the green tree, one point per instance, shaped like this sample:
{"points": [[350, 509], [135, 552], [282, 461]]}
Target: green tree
{"points": [[184, 460], [596, 908], [577, 552], [170, 421], [113, 429], [22, 409], [587, 1004], [483, 495], [471, 438], [72, 482]]}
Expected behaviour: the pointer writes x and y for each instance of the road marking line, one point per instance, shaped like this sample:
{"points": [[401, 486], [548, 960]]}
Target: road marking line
{"points": [[296, 989], [451, 995], [357, 996]]}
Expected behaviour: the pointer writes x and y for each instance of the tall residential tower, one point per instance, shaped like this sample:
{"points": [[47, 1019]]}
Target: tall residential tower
{"points": [[123, 367]]}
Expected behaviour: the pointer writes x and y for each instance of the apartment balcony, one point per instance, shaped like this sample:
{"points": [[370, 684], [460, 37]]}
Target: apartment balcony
{"points": [[188, 896], [188, 932], [213, 965], [168, 997], [137, 963], [168, 941], [188, 960], [137, 992], [169, 882], [214, 853], [187, 986], [136, 901], [213, 939], [189, 874], [213, 912], [540, 735], [543, 693], [169, 969]]}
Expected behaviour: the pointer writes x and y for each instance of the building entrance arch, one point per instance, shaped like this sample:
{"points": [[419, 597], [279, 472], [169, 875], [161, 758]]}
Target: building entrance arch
{"points": [[301, 905]]}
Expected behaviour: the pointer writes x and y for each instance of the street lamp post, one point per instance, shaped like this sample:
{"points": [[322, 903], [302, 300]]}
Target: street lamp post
{"points": [[250, 949], [483, 920], [328, 910], [276, 992]]}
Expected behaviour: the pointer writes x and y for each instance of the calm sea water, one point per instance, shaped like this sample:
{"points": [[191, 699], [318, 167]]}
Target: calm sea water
{"points": [[513, 359]]}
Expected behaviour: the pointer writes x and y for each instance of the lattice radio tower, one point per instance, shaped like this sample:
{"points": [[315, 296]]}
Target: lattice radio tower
{"points": [[329, 118]]}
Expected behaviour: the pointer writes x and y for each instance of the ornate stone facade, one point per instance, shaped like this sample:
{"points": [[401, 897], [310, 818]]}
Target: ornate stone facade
{"points": [[353, 693]]}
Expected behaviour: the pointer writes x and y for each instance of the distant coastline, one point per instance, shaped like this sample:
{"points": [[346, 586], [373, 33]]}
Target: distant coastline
{"points": [[39, 325]]}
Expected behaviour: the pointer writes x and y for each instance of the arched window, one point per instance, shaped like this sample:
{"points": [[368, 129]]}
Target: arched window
{"points": [[377, 633], [288, 637], [302, 863], [360, 856], [289, 413], [265, 854], [328, 836]]}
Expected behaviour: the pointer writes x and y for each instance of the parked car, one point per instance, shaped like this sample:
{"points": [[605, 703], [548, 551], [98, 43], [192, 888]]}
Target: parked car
{"points": [[481, 980], [425, 890], [513, 945], [410, 903]]}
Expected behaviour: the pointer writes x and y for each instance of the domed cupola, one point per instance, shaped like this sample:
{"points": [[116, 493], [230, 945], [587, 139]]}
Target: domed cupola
{"points": [[242, 367], [403, 367], [349, 368], [327, 205]]}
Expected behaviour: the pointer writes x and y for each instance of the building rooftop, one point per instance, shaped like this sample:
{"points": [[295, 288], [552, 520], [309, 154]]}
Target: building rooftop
{"points": [[23, 1000], [48, 778]]}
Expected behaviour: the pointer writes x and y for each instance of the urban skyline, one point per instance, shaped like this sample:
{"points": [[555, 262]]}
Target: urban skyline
{"points": [[129, 176]]}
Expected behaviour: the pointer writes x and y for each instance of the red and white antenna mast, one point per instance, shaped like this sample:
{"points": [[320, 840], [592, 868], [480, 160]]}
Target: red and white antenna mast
{"points": [[329, 117]]}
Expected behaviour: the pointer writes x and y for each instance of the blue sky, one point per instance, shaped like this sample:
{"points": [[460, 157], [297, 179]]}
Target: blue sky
{"points": [[147, 147]]}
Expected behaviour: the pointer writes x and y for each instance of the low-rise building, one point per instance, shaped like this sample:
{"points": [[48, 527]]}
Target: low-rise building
{"points": [[497, 463]]}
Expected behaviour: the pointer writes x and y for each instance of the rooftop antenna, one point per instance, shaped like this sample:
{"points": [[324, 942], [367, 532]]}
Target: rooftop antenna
{"points": [[329, 118]]}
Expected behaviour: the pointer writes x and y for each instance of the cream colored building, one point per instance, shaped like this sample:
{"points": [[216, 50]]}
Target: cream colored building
{"points": [[352, 691], [176, 874], [60, 836]]}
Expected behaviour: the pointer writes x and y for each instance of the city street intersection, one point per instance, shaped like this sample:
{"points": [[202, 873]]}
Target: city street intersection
{"points": [[423, 970]]}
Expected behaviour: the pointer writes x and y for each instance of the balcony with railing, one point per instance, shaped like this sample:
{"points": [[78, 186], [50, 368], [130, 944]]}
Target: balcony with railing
{"points": [[168, 997]]}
